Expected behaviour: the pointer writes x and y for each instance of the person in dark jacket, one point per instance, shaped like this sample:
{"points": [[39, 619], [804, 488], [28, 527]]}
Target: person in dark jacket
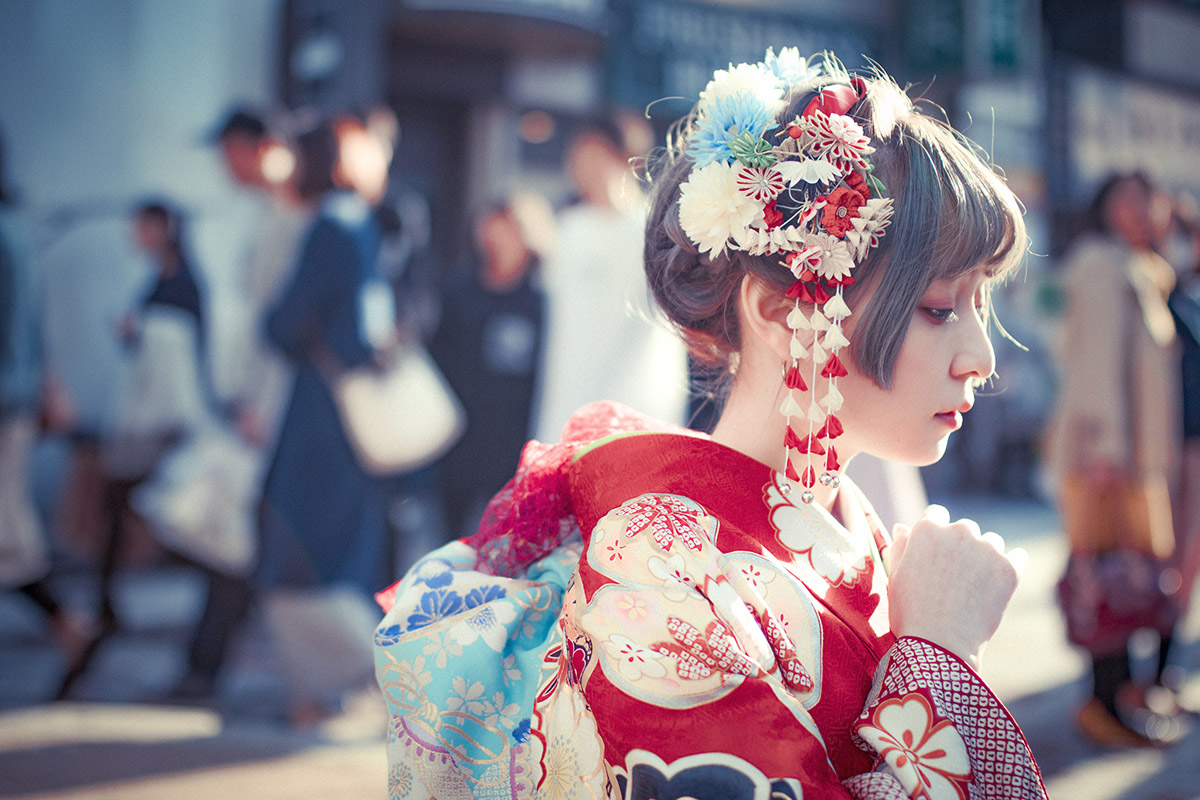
{"points": [[489, 345], [323, 520]]}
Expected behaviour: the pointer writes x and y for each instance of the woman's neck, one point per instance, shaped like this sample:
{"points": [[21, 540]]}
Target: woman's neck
{"points": [[751, 424]]}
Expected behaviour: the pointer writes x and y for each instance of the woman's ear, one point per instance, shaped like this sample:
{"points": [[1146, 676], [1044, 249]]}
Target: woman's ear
{"points": [[764, 316]]}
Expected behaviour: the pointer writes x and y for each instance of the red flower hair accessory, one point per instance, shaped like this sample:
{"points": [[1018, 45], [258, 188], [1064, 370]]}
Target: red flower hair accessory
{"points": [[803, 189]]}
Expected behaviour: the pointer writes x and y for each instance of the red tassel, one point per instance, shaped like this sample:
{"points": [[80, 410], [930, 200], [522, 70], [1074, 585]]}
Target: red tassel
{"points": [[831, 460], [794, 290], [810, 477], [791, 440], [820, 296], [831, 429], [794, 380], [791, 471], [812, 444], [833, 368], [843, 281]]}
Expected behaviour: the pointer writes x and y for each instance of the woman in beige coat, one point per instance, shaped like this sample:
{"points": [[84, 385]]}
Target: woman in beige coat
{"points": [[1114, 438]]}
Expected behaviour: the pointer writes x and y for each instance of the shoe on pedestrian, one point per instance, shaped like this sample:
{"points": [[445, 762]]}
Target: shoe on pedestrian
{"points": [[1102, 727], [73, 634], [1161, 729], [192, 689]]}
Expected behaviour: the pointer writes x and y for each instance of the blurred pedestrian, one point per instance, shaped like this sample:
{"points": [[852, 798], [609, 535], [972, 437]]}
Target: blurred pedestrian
{"points": [[258, 162], [489, 345], [1114, 443], [1181, 249], [163, 396], [604, 338], [164, 393], [325, 547], [27, 391]]}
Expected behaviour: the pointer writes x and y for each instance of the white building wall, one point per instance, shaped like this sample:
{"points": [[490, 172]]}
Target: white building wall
{"points": [[103, 103]]}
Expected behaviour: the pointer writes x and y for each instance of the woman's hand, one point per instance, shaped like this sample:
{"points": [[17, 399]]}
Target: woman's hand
{"points": [[950, 584]]}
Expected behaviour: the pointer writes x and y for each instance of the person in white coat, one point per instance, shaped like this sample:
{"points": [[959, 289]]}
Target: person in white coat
{"points": [[604, 339]]}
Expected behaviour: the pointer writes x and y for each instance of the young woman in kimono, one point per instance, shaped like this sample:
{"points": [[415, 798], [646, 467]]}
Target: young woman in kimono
{"points": [[655, 613]]}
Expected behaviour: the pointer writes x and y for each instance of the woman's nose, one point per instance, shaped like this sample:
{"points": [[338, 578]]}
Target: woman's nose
{"points": [[975, 357]]}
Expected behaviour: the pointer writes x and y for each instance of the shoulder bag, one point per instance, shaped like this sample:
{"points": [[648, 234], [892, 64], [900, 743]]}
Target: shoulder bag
{"points": [[398, 412]]}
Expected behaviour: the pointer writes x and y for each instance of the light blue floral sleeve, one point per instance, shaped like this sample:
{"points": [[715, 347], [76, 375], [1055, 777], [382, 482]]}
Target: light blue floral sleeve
{"points": [[459, 659]]}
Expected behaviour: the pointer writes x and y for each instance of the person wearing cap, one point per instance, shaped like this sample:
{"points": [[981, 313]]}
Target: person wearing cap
{"points": [[257, 161]]}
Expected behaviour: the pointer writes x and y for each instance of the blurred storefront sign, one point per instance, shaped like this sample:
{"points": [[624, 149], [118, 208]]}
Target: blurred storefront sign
{"points": [[978, 38], [1161, 41], [579, 12], [933, 35], [1121, 123], [669, 48]]}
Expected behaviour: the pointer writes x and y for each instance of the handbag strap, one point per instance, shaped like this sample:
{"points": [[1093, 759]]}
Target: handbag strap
{"points": [[326, 362], [331, 368]]}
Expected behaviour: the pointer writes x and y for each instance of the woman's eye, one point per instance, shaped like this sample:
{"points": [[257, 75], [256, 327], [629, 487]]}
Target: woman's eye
{"points": [[940, 315]]}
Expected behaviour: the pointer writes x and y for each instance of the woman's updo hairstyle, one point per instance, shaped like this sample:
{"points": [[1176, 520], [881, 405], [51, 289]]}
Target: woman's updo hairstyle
{"points": [[952, 213]]}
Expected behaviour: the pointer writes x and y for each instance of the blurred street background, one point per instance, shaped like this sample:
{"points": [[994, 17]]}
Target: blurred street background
{"points": [[104, 105]]}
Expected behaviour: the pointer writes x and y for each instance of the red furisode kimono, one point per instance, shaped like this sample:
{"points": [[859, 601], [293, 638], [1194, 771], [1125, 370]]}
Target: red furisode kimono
{"points": [[717, 638]]}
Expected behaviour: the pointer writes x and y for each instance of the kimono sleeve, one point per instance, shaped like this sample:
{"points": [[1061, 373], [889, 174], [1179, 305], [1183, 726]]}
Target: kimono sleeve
{"points": [[938, 729], [697, 691], [459, 657]]}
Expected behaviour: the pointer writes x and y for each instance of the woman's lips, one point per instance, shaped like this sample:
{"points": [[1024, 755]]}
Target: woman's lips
{"points": [[952, 419]]}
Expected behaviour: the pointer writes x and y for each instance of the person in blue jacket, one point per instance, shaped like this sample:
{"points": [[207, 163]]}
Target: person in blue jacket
{"points": [[323, 519]]}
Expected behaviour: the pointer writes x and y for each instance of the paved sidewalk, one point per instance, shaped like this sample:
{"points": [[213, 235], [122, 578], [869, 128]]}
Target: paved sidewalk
{"points": [[108, 743], [112, 741]]}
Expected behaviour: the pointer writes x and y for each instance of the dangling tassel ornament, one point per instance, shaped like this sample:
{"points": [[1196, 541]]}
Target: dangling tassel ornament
{"points": [[836, 309], [791, 408]]}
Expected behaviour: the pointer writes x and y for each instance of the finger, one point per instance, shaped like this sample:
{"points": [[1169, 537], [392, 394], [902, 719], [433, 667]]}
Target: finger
{"points": [[995, 540], [1018, 557], [936, 513], [891, 557]]}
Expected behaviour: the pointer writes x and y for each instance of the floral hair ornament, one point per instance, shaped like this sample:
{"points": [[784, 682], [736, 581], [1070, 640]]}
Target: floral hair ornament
{"points": [[804, 190]]}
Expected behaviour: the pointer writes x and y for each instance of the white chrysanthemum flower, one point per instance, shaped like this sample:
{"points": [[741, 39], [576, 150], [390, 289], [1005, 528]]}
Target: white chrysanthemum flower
{"points": [[836, 261], [754, 79], [712, 208]]}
